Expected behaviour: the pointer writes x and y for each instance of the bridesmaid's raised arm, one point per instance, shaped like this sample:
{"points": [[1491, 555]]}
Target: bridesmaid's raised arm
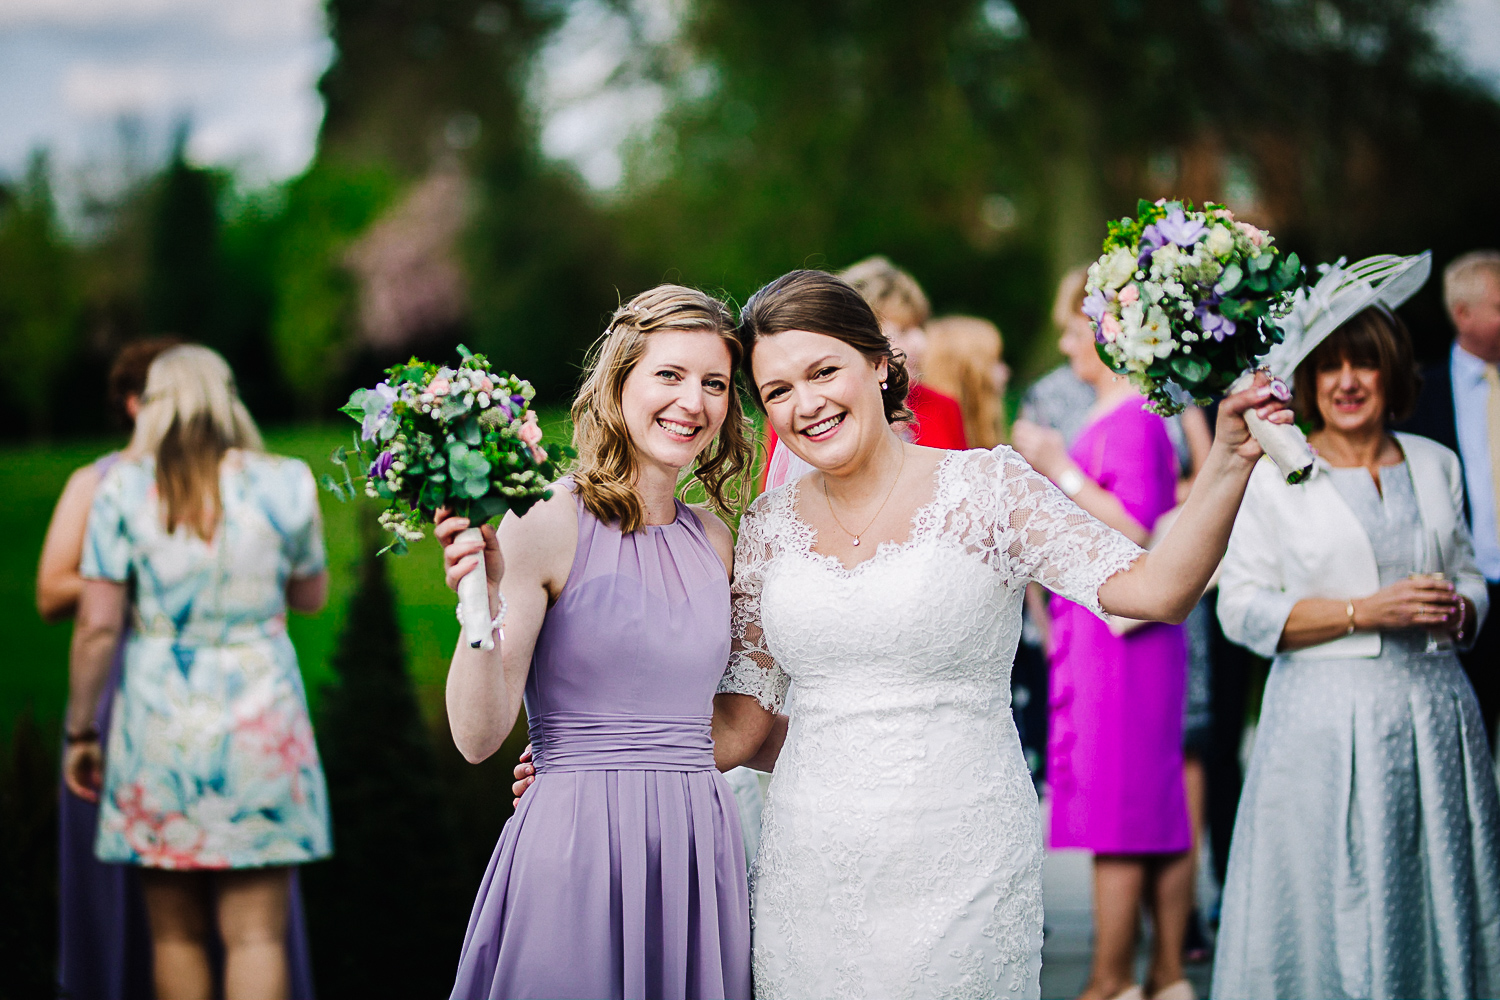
{"points": [[527, 560]]}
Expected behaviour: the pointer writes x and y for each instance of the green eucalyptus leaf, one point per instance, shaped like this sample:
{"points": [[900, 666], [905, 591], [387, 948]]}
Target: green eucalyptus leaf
{"points": [[1190, 368], [469, 432], [434, 494], [1231, 278], [333, 486], [340, 455]]}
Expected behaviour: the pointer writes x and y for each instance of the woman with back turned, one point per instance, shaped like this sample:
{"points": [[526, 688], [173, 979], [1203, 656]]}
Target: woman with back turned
{"points": [[210, 782]]}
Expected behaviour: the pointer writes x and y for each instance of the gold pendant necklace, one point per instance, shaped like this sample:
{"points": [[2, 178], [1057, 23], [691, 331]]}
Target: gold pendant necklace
{"points": [[852, 535]]}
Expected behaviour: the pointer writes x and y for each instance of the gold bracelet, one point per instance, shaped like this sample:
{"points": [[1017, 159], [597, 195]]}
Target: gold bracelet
{"points": [[1349, 610]]}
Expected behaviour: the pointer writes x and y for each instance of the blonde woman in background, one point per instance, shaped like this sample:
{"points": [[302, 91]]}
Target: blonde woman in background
{"points": [[964, 361], [211, 784]]}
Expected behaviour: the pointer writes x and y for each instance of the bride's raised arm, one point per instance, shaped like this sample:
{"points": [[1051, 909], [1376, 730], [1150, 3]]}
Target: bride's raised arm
{"points": [[1167, 582], [753, 689], [1074, 555]]}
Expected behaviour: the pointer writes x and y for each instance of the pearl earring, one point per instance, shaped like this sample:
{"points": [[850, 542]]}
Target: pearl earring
{"points": [[884, 385]]}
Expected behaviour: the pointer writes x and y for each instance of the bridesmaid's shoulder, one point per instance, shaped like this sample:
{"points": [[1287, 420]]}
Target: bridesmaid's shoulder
{"points": [[719, 534], [554, 512], [714, 525]]}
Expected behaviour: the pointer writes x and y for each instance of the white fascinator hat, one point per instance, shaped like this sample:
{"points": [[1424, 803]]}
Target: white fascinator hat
{"points": [[1341, 292]]}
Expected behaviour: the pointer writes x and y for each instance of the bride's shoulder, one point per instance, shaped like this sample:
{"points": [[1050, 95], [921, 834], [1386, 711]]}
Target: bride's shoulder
{"points": [[992, 466], [771, 503]]}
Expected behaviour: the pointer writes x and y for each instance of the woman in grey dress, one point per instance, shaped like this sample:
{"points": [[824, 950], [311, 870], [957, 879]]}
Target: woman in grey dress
{"points": [[1366, 853]]}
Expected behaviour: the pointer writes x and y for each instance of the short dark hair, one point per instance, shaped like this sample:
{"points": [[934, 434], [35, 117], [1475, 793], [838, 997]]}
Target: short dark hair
{"points": [[1372, 338], [127, 375], [818, 302]]}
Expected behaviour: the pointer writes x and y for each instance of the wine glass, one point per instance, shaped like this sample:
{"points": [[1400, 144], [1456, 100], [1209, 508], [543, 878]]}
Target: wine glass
{"points": [[1430, 567]]}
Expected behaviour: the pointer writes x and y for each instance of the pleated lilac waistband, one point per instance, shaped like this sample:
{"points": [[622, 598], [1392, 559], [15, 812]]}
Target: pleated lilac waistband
{"points": [[594, 741]]}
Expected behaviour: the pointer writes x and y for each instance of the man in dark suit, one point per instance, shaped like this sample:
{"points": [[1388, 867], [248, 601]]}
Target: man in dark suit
{"points": [[1460, 407]]}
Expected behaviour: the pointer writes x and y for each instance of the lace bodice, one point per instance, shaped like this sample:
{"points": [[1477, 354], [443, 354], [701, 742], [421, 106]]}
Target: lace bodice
{"points": [[901, 848]]}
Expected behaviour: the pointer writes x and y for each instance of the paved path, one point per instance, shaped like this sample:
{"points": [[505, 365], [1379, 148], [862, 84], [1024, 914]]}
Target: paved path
{"points": [[1067, 880]]}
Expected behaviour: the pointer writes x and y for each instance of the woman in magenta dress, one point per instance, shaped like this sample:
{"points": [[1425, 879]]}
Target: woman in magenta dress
{"points": [[622, 873], [1114, 747]]}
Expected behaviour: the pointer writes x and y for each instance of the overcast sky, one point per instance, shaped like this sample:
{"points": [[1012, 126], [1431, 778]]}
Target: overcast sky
{"points": [[244, 72]]}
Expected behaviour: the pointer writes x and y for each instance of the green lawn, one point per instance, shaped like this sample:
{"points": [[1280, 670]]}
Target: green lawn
{"points": [[36, 670]]}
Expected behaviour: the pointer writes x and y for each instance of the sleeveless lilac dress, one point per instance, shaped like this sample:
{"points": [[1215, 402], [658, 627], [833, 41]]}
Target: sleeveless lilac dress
{"points": [[622, 873]]}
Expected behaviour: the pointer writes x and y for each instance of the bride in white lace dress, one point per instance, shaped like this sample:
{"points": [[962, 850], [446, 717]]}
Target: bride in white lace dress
{"points": [[901, 851]]}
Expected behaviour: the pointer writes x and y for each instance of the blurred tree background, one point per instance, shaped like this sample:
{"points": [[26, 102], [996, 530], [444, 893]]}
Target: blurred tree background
{"points": [[979, 143]]}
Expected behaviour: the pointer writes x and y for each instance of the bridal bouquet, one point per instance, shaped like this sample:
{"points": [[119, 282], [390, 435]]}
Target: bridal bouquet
{"points": [[1185, 302], [433, 436]]}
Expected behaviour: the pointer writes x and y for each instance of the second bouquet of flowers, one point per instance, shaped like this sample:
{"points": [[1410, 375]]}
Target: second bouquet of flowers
{"points": [[1186, 301], [433, 436]]}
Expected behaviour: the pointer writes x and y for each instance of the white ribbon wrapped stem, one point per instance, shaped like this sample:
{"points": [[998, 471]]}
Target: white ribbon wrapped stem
{"points": [[1285, 443], [474, 599]]}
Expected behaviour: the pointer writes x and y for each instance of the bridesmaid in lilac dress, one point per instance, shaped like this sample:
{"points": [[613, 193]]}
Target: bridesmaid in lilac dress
{"points": [[1114, 753], [622, 873]]}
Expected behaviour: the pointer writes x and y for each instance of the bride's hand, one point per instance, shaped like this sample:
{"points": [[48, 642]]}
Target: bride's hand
{"points": [[459, 557], [525, 773], [1270, 403]]}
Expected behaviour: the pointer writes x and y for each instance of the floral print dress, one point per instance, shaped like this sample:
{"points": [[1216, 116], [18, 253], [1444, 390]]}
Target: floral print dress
{"points": [[210, 761]]}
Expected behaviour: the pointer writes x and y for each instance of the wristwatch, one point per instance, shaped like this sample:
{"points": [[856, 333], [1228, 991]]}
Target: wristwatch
{"points": [[1072, 482]]}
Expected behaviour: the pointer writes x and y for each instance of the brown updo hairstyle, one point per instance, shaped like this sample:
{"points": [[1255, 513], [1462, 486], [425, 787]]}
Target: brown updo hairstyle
{"points": [[1372, 338], [818, 302], [605, 471]]}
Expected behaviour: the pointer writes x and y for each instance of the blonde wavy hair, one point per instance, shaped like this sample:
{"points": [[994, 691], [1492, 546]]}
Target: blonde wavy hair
{"points": [[962, 352], [605, 471], [190, 416]]}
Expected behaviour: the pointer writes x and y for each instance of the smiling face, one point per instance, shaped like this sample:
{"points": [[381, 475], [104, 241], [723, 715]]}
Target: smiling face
{"points": [[676, 397], [1350, 397], [822, 396]]}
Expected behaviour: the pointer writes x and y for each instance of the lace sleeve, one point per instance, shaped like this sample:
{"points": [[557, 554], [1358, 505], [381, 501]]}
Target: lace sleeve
{"points": [[1051, 539], [752, 670]]}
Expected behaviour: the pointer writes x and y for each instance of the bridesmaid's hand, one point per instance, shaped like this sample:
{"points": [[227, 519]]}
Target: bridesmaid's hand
{"points": [[83, 769], [1269, 401], [460, 557], [525, 774]]}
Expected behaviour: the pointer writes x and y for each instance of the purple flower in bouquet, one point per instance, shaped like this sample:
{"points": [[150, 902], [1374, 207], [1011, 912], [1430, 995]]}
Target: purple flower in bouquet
{"points": [[1214, 324], [1094, 305], [1151, 241], [381, 465], [1179, 229], [375, 416]]}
